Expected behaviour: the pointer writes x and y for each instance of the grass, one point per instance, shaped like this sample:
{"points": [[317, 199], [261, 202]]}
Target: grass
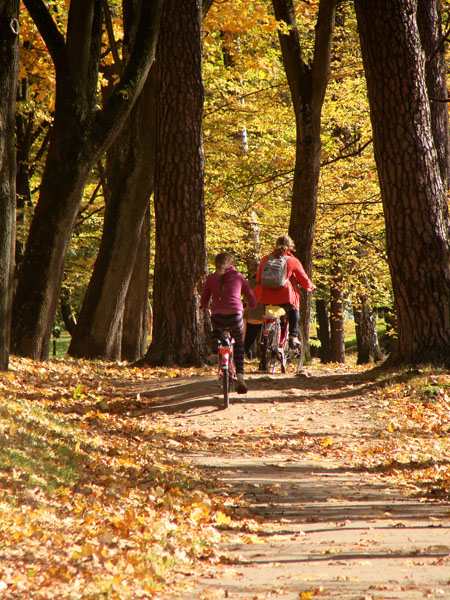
{"points": [[59, 346], [350, 335]]}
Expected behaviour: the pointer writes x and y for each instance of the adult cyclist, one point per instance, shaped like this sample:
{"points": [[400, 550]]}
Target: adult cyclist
{"points": [[288, 294]]}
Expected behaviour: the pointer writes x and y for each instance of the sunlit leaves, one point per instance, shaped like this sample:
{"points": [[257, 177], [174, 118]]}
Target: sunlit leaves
{"points": [[93, 501], [246, 95]]}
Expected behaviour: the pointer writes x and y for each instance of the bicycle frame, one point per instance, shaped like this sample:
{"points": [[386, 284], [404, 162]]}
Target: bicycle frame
{"points": [[226, 367], [274, 338]]}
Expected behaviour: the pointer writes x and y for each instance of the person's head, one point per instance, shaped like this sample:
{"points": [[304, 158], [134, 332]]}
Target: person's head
{"points": [[283, 244], [222, 261]]}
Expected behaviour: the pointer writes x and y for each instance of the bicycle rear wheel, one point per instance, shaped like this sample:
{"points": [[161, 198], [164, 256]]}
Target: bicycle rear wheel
{"points": [[265, 354], [226, 387], [276, 354]]}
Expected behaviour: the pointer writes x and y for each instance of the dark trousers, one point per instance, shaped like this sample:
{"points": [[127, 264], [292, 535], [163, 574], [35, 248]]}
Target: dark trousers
{"points": [[235, 325], [251, 333], [293, 318]]}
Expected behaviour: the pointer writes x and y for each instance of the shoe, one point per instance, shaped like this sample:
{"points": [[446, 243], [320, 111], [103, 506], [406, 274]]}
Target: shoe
{"points": [[241, 388], [294, 342]]}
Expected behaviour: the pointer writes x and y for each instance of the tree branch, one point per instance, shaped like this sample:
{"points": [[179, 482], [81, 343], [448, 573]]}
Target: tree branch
{"points": [[111, 38], [134, 76], [357, 152], [291, 49], [322, 50], [53, 38]]}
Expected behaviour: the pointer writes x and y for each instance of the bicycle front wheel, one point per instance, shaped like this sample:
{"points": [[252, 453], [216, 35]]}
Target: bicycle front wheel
{"points": [[226, 387]]}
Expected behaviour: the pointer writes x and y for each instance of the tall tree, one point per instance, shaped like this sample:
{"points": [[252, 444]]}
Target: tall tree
{"points": [[80, 134], [409, 169], [124, 248], [430, 31], [9, 68], [307, 82], [113, 321], [337, 319], [366, 332], [323, 330], [179, 333]]}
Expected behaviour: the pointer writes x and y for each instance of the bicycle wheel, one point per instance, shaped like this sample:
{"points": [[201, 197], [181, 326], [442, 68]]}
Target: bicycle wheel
{"points": [[226, 387], [263, 365], [276, 352]]}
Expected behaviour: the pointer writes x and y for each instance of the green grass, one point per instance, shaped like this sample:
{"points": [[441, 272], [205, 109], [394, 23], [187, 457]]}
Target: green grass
{"points": [[37, 444], [60, 345], [350, 335]]}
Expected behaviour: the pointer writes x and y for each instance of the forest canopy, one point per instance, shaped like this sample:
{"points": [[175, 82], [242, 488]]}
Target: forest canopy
{"points": [[251, 128]]}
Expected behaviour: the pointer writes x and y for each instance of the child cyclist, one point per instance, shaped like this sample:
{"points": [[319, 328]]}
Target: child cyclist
{"points": [[222, 293]]}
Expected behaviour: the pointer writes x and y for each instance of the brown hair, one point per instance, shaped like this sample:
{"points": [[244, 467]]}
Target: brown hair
{"points": [[283, 244], [222, 261]]}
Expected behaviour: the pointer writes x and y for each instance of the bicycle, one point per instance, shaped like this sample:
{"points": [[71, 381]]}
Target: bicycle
{"points": [[274, 347], [226, 372]]}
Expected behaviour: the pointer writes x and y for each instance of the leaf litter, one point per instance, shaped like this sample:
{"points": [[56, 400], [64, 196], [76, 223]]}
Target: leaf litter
{"points": [[95, 503]]}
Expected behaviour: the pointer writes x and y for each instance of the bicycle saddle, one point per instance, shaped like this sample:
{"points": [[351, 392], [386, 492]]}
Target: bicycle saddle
{"points": [[274, 312]]}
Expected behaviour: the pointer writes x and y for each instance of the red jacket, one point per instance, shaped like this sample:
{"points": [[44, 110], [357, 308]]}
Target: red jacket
{"points": [[289, 292]]}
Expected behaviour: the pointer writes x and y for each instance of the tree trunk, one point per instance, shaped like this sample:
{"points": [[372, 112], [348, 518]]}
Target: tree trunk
{"points": [[136, 314], [81, 133], [337, 338], [430, 30], [9, 68], [366, 332], [24, 128], [68, 317], [307, 82], [323, 330], [412, 188], [130, 172], [179, 332]]}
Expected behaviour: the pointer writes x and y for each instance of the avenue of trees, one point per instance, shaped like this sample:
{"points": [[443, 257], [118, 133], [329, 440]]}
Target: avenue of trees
{"points": [[138, 138]]}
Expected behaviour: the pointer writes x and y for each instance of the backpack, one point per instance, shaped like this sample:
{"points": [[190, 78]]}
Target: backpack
{"points": [[274, 271]]}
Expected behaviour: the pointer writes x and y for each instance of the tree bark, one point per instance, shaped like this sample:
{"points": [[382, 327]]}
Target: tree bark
{"points": [[68, 317], [430, 30], [130, 170], [307, 83], [337, 338], [9, 68], [81, 133], [366, 332], [409, 170], [179, 331], [136, 314], [323, 330]]}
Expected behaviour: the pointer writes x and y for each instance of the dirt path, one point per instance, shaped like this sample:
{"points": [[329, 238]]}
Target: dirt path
{"points": [[327, 528]]}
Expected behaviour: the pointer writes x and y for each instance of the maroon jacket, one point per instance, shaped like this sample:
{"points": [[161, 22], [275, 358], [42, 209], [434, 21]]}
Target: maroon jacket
{"points": [[229, 301]]}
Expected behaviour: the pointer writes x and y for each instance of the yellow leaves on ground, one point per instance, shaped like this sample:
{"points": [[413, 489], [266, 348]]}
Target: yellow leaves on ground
{"points": [[93, 502], [223, 519], [413, 444], [311, 593]]}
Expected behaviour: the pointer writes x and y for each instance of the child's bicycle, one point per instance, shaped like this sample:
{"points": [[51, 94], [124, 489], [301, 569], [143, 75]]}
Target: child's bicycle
{"points": [[226, 365], [274, 346]]}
